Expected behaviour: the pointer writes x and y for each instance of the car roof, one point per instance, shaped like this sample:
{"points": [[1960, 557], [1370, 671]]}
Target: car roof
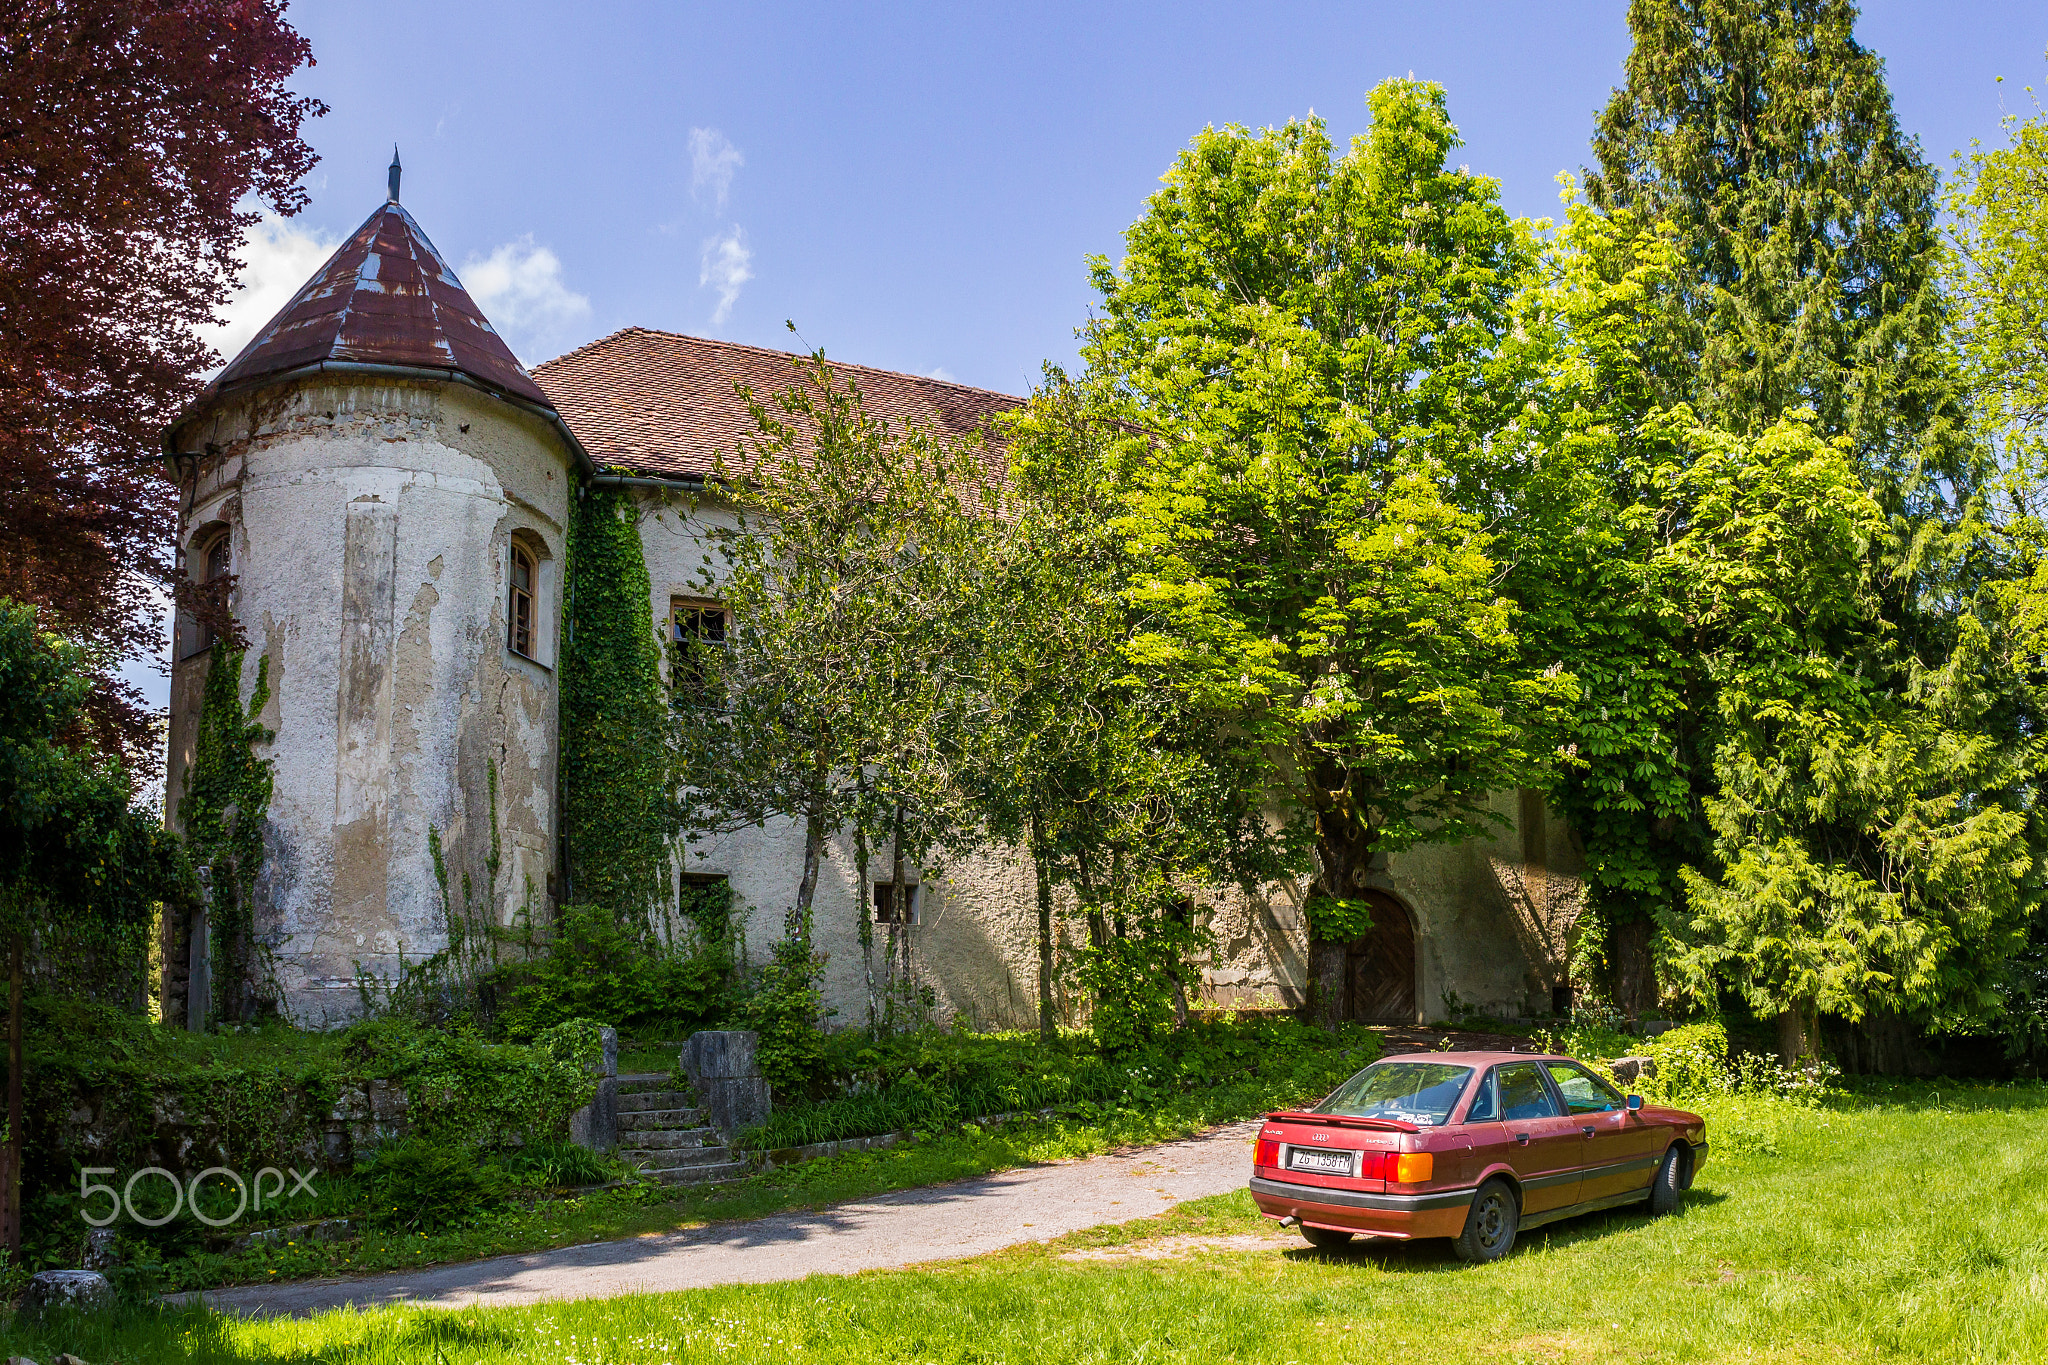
{"points": [[1476, 1058]]}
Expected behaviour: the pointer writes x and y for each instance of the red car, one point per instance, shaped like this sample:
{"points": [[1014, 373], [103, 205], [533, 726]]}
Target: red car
{"points": [[1474, 1146]]}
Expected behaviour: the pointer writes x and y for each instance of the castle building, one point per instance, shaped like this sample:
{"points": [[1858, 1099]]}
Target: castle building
{"points": [[391, 490]]}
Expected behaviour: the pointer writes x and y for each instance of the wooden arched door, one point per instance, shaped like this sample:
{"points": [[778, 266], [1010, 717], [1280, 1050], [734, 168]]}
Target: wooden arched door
{"points": [[1379, 968]]}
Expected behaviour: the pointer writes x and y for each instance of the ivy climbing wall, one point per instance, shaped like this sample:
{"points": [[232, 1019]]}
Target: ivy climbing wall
{"points": [[613, 711]]}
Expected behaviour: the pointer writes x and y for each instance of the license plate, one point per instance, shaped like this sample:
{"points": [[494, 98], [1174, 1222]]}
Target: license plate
{"points": [[1330, 1163]]}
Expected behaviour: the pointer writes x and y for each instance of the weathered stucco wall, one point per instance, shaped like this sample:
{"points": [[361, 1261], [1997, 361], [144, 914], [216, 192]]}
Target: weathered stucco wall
{"points": [[371, 525], [1491, 916]]}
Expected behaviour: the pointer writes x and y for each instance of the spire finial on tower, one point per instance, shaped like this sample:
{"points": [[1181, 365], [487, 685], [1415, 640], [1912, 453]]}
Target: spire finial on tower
{"points": [[395, 169]]}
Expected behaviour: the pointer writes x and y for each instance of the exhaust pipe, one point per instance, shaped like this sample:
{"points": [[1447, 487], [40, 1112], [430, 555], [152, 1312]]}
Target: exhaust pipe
{"points": [[1290, 1221]]}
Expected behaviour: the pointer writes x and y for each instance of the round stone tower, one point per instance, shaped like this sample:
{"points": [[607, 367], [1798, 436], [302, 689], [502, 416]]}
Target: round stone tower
{"points": [[390, 490]]}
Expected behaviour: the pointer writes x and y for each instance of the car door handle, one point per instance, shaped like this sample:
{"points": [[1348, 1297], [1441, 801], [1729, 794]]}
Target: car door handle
{"points": [[1522, 1138], [1589, 1130]]}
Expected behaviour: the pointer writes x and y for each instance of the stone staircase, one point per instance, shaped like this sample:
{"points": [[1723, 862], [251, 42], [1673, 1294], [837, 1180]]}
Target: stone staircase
{"points": [[663, 1133]]}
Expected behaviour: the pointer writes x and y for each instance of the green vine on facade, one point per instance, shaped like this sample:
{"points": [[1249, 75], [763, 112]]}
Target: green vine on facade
{"points": [[616, 805], [225, 773]]}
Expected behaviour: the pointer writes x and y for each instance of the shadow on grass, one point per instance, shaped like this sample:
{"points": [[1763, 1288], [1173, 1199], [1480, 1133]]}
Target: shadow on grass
{"points": [[1433, 1255]]}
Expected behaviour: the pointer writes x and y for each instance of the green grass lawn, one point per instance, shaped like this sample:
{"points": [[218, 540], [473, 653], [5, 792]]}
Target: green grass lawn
{"points": [[1909, 1224]]}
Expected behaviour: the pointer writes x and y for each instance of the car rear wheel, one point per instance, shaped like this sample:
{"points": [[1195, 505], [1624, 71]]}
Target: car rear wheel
{"points": [[1329, 1239], [1490, 1225], [1669, 1187]]}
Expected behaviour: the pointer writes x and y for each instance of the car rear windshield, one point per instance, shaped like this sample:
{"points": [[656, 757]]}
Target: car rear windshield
{"points": [[1417, 1092]]}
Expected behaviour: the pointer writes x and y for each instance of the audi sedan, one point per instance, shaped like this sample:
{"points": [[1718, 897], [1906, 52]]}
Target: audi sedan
{"points": [[1473, 1146]]}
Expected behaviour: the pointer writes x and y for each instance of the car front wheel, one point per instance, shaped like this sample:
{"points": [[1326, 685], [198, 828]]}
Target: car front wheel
{"points": [[1490, 1225], [1329, 1239], [1669, 1186]]}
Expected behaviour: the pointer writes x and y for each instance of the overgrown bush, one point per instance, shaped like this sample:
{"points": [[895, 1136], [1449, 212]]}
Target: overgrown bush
{"points": [[935, 1079], [785, 1007], [259, 1098], [635, 979], [550, 1165], [419, 1185]]}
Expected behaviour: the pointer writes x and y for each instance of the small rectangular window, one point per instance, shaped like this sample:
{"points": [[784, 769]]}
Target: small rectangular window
{"points": [[885, 903], [693, 627], [520, 609]]}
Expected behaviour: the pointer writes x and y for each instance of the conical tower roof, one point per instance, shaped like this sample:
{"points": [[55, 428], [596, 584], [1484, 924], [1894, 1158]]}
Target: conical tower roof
{"points": [[386, 297]]}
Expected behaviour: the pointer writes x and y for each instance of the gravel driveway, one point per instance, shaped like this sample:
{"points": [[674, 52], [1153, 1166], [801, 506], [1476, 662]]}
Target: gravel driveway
{"points": [[935, 1223]]}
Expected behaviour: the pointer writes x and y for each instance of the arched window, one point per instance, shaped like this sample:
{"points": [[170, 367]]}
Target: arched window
{"points": [[213, 568], [519, 610]]}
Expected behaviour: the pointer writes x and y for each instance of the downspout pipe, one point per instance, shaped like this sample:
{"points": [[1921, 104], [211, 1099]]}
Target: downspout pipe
{"points": [[687, 483]]}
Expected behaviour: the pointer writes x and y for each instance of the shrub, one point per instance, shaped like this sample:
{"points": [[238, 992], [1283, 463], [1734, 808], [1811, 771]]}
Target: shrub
{"points": [[552, 1165], [935, 1079], [598, 968], [785, 1008], [418, 1185], [466, 1092]]}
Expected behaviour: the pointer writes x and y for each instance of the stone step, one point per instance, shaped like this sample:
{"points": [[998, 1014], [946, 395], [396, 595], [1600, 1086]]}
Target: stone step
{"points": [[655, 1159], [644, 1119], [640, 1101], [649, 1138], [702, 1175], [632, 1082]]}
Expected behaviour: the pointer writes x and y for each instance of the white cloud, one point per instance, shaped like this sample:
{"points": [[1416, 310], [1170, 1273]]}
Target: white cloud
{"points": [[728, 262], [713, 160], [943, 375], [519, 287], [276, 259]]}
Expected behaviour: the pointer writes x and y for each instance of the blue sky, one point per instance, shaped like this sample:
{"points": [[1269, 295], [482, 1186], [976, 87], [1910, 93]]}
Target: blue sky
{"points": [[918, 186]]}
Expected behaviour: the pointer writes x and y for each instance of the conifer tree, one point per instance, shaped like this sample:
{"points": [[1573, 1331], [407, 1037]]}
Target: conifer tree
{"points": [[1858, 791], [1807, 223]]}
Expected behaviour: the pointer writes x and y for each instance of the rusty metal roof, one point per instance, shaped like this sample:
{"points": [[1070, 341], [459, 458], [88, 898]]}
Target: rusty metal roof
{"points": [[667, 405], [386, 297]]}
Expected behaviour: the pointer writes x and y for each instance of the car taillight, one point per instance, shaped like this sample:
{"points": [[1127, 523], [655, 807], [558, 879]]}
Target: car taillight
{"points": [[1410, 1168], [1267, 1153], [1372, 1165]]}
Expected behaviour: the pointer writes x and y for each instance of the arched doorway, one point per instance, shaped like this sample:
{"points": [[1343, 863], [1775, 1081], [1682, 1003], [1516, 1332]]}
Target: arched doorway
{"points": [[1379, 967]]}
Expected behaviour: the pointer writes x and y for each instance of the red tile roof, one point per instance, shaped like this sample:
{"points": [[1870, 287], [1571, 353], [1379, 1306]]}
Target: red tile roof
{"points": [[664, 405], [384, 297]]}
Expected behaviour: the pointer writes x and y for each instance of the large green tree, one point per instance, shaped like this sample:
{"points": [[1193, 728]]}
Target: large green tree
{"points": [[1122, 795], [1807, 280], [1806, 218], [836, 697], [1307, 349], [81, 871], [1998, 280]]}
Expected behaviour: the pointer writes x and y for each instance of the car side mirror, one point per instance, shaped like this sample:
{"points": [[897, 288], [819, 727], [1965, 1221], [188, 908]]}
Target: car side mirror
{"points": [[1635, 1102]]}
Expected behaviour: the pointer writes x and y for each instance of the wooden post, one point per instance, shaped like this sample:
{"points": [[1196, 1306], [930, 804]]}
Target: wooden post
{"points": [[11, 1155], [199, 978]]}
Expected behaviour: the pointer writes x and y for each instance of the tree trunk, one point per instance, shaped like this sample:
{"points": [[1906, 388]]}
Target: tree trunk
{"points": [[814, 851], [896, 870], [866, 910], [1634, 967], [1344, 851], [1048, 1025], [1794, 1042], [11, 1154]]}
